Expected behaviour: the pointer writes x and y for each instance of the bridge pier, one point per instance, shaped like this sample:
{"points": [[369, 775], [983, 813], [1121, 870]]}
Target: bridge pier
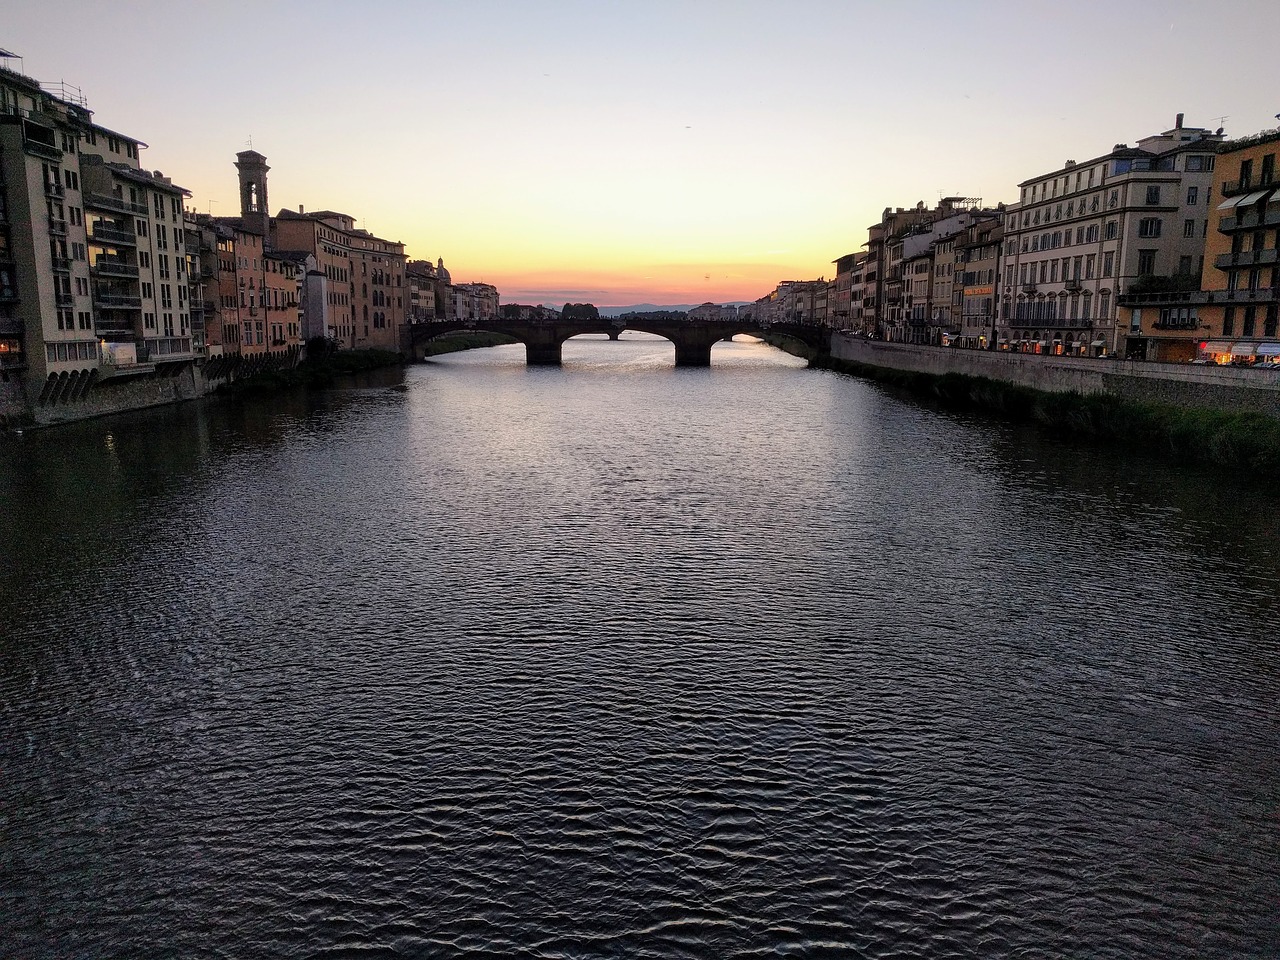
{"points": [[692, 354], [613, 334], [542, 354]]}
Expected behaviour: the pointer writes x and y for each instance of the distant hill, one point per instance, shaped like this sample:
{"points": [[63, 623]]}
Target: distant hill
{"points": [[649, 307]]}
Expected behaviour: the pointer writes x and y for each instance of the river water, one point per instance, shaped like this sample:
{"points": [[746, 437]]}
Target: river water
{"points": [[623, 660]]}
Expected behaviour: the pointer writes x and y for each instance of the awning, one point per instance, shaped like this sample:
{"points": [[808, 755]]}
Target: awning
{"points": [[1268, 350], [1219, 346], [1250, 199], [1098, 343], [1243, 349], [1230, 202]]}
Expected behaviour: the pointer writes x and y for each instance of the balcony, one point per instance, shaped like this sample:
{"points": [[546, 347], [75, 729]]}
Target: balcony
{"points": [[117, 301], [103, 201], [161, 349], [1247, 295], [1073, 284], [54, 189], [1028, 288], [61, 264], [64, 299], [105, 233], [104, 267], [113, 329], [1247, 258], [38, 148], [57, 227]]}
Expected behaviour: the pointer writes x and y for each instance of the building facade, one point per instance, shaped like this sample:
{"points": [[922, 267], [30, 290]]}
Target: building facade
{"points": [[1080, 236]]}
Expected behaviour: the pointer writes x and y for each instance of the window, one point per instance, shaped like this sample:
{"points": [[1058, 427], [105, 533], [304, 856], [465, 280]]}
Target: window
{"points": [[1188, 228], [1150, 227], [1113, 229], [1146, 262], [1184, 265], [1246, 174], [1089, 264], [1192, 196], [1108, 263], [1250, 320], [1268, 170]]}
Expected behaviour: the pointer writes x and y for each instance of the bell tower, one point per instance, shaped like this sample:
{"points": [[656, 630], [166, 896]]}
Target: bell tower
{"points": [[253, 191]]}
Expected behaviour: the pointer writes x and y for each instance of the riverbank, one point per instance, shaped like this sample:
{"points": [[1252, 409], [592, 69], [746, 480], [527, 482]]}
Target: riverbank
{"points": [[321, 370], [465, 341], [1245, 441]]}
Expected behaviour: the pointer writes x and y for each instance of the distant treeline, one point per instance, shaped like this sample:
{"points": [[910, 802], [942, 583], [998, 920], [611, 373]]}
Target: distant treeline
{"points": [[580, 311]]}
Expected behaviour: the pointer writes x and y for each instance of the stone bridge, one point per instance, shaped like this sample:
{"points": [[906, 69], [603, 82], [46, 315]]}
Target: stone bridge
{"points": [[543, 339]]}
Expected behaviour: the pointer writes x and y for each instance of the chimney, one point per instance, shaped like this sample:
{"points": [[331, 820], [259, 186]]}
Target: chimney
{"points": [[300, 210], [1178, 124]]}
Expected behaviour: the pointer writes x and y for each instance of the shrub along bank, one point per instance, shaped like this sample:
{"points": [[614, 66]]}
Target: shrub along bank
{"points": [[464, 341], [1246, 442]]}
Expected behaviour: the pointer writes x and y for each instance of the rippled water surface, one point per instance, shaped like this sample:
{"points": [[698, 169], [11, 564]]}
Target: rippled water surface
{"points": [[624, 660]]}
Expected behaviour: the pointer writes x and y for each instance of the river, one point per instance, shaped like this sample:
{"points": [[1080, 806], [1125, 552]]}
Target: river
{"points": [[624, 660]]}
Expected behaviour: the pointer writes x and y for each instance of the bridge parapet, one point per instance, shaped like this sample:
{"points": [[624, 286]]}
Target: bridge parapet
{"points": [[544, 339]]}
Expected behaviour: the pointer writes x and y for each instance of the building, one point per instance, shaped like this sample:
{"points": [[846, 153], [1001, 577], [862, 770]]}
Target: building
{"points": [[353, 282], [475, 301], [93, 281], [1232, 317], [977, 265], [430, 290], [1082, 235]]}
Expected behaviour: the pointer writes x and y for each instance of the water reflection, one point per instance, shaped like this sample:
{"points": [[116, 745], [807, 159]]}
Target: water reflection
{"points": [[627, 660]]}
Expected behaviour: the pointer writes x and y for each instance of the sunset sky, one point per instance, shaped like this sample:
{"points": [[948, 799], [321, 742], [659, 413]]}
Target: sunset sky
{"points": [[623, 152]]}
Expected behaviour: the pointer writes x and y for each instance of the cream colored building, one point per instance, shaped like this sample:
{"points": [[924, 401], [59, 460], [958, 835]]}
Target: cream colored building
{"points": [[1081, 235], [93, 268]]}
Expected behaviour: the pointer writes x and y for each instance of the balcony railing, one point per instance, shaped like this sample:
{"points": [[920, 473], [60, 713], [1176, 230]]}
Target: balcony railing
{"points": [[39, 149], [1246, 258], [1072, 284], [168, 348], [57, 227], [113, 234], [117, 301], [1190, 297], [64, 299], [54, 189], [62, 264], [103, 201], [1028, 288], [113, 268]]}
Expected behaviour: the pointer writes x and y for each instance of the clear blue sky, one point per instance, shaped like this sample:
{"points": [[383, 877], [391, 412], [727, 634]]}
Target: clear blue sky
{"points": [[627, 151]]}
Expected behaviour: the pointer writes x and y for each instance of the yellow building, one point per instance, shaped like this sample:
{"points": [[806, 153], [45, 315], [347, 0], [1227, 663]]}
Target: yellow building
{"points": [[1232, 318]]}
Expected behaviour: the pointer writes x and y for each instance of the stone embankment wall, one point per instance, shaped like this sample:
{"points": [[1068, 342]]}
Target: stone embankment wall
{"points": [[18, 408], [1180, 385]]}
